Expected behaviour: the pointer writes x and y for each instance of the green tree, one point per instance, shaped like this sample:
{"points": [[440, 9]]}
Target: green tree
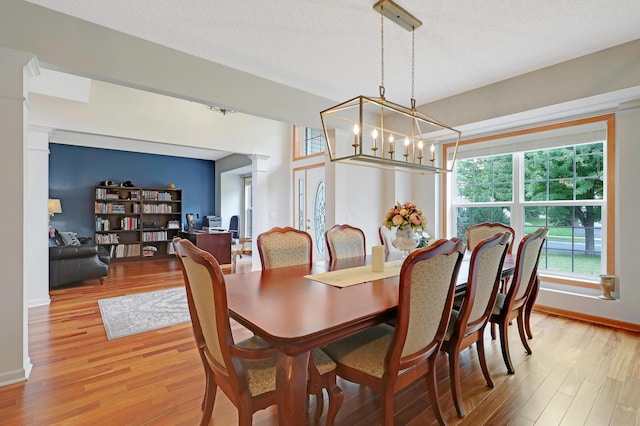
{"points": [[567, 173], [486, 179]]}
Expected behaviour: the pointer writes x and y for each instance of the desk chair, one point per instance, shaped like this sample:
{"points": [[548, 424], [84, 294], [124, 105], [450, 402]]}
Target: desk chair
{"points": [[233, 227], [514, 303], [282, 247], [469, 321], [344, 242], [388, 359]]}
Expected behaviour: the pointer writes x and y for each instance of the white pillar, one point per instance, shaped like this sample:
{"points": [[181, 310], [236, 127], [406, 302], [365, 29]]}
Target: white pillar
{"points": [[261, 220], [15, 69], [36, 218]]}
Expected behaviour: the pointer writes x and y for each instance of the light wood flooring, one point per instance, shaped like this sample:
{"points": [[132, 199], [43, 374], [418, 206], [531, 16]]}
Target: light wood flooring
{"points": [[579, 373]]}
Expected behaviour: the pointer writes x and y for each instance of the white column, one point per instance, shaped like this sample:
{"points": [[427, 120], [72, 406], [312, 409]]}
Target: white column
{"points": [[36, 217], [15, 69], [261, 220]]}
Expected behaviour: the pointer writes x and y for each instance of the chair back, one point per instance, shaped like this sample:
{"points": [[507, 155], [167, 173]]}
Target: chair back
{"points": [[526, 269], [482, 231], [427, 286], [485, 269], [386, 238], [281, 247], [233, 226], [344, 241], [207, 300]]}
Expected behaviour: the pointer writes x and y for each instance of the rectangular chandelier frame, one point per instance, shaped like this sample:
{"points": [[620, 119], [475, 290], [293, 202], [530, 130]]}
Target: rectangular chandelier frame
{"points": [[388, 136]]}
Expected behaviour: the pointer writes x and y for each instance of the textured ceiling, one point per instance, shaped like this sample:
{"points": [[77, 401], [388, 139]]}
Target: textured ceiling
{"points": [[332, 47]]}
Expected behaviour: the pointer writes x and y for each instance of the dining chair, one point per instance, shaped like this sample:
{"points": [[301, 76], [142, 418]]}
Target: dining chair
{"points": [[482, 231], [344, 242], [468, 322], [386, 237], [282, 247], [246, 370], [388, 359], [512, 305]]}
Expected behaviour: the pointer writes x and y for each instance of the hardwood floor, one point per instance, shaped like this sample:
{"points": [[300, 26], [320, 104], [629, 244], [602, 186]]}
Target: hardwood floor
{"points": [[579, 373]]}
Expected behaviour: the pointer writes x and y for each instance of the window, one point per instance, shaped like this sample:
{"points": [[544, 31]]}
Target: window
{"points": [[308, 141], [548, 177]]}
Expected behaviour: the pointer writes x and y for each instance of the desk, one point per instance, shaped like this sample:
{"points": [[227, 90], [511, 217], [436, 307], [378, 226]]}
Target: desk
{"points": [[216, 243], [297, 314]]}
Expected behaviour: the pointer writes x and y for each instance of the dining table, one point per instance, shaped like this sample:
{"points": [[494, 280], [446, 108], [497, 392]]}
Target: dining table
{"points": [[296, 314]]}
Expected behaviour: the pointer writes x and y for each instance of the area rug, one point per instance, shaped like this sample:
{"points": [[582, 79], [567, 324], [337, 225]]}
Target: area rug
{"points": [[137, 313]]}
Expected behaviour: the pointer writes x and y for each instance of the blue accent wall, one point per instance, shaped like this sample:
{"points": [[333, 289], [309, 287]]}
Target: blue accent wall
{"points": [[75, 170]]}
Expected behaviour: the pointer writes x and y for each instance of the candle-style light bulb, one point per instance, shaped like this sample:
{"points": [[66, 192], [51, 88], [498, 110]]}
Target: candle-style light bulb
{"points": [[356, 132], [374, 135], [433, 152], [420, 146], [406, 147], [391, 147]]}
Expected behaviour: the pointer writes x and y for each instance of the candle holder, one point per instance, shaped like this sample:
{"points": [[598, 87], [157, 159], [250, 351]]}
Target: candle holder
{"points": [[606, 285]]}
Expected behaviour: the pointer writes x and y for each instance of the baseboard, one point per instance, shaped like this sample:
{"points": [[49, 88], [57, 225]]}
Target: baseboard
{"points": [[15, 376], [589, 318]]}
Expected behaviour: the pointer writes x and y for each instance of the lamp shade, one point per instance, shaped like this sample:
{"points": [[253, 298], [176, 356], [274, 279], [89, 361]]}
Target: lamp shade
{"points": [[54, 206]]}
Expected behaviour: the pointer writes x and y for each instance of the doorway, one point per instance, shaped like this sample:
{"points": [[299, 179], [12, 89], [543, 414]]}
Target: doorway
{"points": [[309, 206]]}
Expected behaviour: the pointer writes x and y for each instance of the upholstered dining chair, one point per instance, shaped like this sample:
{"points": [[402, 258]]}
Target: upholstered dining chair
{"points": [[246, 370], [386, 237], [345, 241], [482, 231], [282, 247], [512, 305], [469, 321], [388, 359]]}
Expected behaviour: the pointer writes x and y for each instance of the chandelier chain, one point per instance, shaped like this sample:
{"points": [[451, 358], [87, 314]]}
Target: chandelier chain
{"points": [[381, 54], [413, 67]]}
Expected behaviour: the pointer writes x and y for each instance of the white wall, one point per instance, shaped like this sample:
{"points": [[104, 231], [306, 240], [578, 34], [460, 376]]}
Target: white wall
{"points": [[15, 69], [36, 218]]}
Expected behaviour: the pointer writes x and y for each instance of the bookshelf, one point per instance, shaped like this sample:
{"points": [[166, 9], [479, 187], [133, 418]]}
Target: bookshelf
{"points": [[135, 223]]}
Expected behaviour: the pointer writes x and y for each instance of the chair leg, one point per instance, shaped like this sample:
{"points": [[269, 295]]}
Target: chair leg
{"points": [[336, 397], [433, 391], [454, 380], [483, 360], [387, 407], [319, 404], [521, 332], [504, 344], [209, 399], [531, 300]]}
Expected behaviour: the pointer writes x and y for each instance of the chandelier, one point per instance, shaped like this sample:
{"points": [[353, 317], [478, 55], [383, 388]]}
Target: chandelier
{"points": [[375, 132]]}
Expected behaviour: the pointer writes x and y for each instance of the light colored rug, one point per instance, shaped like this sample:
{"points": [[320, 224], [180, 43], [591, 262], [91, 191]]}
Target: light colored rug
{"points": [[136, 313]]}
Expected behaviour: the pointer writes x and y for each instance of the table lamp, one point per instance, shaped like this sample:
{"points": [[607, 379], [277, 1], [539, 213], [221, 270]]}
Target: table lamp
{"points": [[54, 206]]}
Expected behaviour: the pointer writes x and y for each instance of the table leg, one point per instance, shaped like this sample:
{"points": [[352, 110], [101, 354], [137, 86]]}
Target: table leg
{"points": [[291, 382]]}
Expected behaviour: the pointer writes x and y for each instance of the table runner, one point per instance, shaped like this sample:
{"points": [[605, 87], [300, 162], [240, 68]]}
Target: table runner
{"points": [[358, 275]]}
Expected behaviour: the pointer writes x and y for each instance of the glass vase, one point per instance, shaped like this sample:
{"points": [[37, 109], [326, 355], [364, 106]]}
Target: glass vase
{"points": [[405, 241]]}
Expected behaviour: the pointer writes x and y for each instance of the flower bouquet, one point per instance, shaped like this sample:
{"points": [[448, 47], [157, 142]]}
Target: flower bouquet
{"points": [[410, 224], [405, 216]]}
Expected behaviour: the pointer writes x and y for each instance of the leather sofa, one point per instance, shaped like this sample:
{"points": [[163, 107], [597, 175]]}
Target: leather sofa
{"points": [[75, 263]]}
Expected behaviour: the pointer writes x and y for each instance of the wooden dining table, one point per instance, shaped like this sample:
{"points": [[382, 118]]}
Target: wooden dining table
{"points": [[297, 314]]}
